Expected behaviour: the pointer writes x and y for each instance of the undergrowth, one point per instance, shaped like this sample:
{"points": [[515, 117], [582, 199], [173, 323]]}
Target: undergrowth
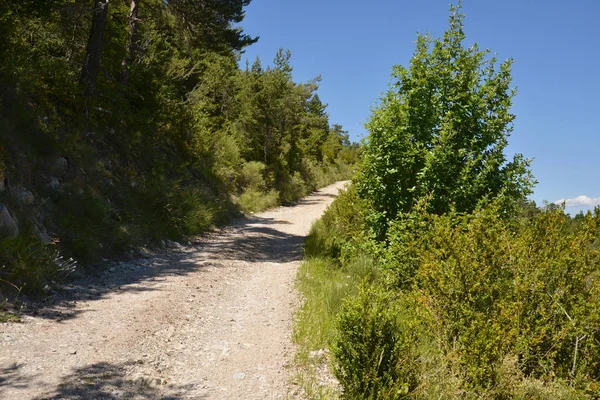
{"points": [[325, 284], [451, 306]]}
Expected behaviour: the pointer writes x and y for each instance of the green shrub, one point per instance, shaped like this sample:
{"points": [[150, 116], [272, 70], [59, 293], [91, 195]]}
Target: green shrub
{"points": [[170, 209], [313, 174], [29, 264], [193, 214], [253, 175], [376, 348], [256, 196], [85, 222], [253, 200], [228, 161], [339, 228], [500, 290], [292, 188], [324, 285]]}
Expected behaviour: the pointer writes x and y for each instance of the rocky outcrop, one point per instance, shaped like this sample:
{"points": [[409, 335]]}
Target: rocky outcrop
{"points": [[8, 226], [54, 183], [26, 197], [59, 165], [41, 232]]}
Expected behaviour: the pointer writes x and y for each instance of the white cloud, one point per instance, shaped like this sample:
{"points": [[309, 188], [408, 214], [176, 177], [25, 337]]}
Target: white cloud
{"points": [[580, 201]]}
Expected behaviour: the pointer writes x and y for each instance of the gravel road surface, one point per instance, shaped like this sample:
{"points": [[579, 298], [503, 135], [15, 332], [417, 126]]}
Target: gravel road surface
{"points": [[211, 320]]}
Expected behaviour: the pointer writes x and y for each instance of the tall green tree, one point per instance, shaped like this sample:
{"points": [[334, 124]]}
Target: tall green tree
{"points": [[211, 23], [441, 130]]}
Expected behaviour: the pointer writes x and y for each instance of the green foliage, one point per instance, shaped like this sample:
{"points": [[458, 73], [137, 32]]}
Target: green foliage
{"points": [[283, 124], [186, 141], [28, 264], [376, 347], [324, 285], [252, 200], [440, 133], [480, 294], [253, 176], [256, 195], [505, 309], [292, 188], [325, 281], [84, 217], [213, 26], [339, 230]]}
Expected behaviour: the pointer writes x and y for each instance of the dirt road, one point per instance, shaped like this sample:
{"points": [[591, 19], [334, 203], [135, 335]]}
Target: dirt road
{"points": [[205, 321]]}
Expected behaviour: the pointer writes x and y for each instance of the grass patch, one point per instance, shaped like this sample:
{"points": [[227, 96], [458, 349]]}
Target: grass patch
{"points": [[8, 317], [324, 285], [27, 264]]}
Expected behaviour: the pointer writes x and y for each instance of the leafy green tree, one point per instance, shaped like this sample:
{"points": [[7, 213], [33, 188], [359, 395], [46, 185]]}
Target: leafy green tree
{"points": [[441, 130]]}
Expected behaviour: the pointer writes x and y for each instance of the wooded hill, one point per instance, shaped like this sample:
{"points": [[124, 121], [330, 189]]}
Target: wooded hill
{"points": [[126, 122]]}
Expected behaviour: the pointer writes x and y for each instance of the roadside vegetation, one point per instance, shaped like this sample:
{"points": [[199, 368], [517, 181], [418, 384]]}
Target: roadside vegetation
{"points": [[126, 123], [433, 277]]}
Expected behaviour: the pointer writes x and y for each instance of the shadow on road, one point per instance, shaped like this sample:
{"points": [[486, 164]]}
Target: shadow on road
{"points": [[11, 377], [103, 381], [249, 239]]}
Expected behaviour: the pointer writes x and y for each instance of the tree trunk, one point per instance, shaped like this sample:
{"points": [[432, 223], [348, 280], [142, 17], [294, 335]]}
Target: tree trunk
{"points": [[267, 139], [93, 52], [131, 41]]}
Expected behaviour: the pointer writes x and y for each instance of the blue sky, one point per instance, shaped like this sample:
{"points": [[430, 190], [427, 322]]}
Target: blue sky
{"points": [[353, 44]]}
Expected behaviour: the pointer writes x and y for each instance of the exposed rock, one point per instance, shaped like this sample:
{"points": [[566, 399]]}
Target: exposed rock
{"points": [[54, 183], [60, 164], [42, 233], [8, 226], [145, 252], [240, 376], [171, 244], [26, 197]]}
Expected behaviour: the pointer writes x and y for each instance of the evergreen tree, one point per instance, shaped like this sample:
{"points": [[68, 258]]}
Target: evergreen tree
{"points": [[210, 24]]}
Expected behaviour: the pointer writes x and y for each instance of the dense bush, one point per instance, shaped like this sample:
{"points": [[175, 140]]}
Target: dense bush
{"points": [[376, 348], [32, 264], [253, 200], [492, 309], [339, 229]]}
